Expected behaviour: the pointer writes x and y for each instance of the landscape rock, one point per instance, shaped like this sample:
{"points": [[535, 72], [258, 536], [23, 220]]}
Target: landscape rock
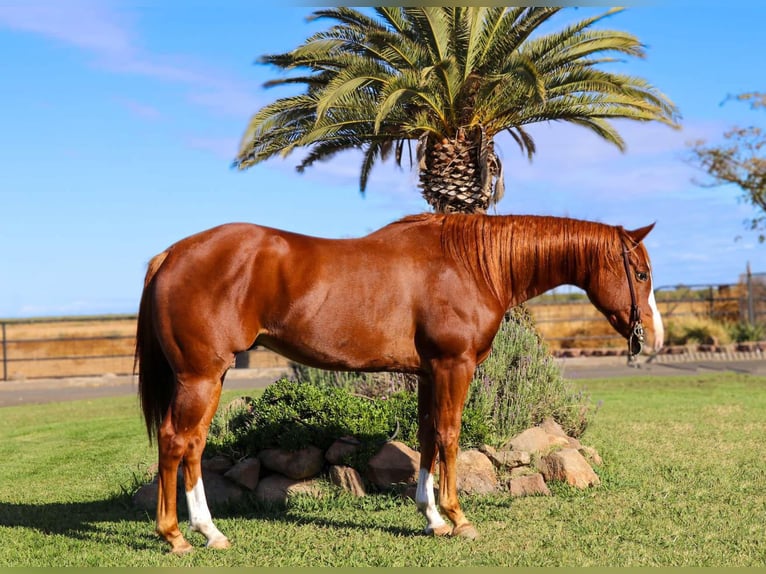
{"points": [[145, 497], [348, 479], [574, 443], [299, 464], [276, 488], [506, 459], [341, 448], [528, 485], [475, 473], [591, 455], [218, 463], [394, 463], [550, 426], [568, 465], [536, 440], [219, 491], [245, 473]]}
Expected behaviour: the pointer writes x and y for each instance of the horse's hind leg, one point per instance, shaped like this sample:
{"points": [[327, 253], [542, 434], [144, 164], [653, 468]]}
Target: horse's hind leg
{"points": [[200, 518], [424, 496], [182, 436]]}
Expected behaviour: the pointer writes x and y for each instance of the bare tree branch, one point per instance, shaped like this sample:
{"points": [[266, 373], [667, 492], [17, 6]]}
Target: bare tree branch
{"points": [[740, 160]]}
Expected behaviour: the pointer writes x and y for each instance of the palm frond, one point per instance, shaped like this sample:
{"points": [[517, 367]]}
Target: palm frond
{"points": [[377, 81]]}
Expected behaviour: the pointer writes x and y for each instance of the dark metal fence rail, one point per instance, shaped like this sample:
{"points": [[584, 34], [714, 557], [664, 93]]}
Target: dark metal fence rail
{"points": [[745, 302]]}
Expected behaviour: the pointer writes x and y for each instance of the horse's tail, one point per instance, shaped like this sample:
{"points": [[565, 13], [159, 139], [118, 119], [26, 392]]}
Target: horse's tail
{"points": [[156, 381]]}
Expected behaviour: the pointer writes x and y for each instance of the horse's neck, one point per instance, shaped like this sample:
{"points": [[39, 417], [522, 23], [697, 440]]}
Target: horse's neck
{"points": [[546, 259]]}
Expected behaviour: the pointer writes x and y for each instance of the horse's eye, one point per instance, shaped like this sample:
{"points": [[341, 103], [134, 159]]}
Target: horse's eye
{"points": [[642, 275]]}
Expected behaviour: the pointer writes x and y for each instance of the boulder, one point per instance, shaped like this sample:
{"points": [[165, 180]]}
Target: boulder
{"points": [[394, 463], [550, 426], [574, 443], [219, 491], [591, 455], [145, 497], [348, 479], [506, 459], [276, 488], [528, 485], [245, 473], [535, 440], [298, 464], [219, 464], [568, 465], [341, 448], [475, 473]]}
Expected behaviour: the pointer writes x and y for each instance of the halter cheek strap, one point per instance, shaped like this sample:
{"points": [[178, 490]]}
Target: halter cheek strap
{"points": [[636, 337]]}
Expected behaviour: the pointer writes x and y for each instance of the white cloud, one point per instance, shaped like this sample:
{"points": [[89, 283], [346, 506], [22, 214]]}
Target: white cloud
{"points": [[572, 158], [107, 33], [91, 25]]}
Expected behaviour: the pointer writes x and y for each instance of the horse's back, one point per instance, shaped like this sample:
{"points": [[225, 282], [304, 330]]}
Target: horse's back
{"points": [[369, 303], [312, 299]]}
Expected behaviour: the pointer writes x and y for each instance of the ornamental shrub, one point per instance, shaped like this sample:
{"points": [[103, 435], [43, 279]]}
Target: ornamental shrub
{"points": [[743, 332], [292, 415], [520, 384]]}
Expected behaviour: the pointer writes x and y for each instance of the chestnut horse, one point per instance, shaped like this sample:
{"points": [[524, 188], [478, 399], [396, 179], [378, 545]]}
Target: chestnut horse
{"points": [[423, 295]]}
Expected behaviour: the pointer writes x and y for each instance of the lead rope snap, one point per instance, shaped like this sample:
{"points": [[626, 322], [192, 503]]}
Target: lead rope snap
{"points": [[635, 344]]}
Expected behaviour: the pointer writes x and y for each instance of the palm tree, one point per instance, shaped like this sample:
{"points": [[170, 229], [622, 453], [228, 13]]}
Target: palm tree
{"points": [[449, 79]]}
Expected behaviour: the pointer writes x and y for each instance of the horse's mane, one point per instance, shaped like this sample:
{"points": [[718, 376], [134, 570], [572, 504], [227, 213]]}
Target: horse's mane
{"points": [[502, 249]]}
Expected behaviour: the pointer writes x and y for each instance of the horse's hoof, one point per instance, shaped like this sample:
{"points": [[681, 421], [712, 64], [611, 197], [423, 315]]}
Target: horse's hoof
{"points": [[465, 530], [219, 543], [442, 530], [181, 548]]}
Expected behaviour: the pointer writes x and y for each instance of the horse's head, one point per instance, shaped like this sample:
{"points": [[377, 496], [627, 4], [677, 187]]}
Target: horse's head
{"points": [[622, 290]]}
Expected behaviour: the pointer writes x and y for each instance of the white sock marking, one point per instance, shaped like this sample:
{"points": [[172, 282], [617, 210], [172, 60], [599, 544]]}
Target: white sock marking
{"points": [[425, 501], [199, 514]]}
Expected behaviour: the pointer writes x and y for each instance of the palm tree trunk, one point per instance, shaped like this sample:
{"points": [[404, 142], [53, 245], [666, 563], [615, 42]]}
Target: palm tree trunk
{"points": [[460, 174]]}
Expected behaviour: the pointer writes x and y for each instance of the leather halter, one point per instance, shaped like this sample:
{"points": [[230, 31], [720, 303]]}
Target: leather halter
{"points": [[636, 337]]}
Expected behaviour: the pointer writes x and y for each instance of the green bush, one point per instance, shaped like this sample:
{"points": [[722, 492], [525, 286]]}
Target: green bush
{"points": [[292, 415], [744, 332], [520, 384]]}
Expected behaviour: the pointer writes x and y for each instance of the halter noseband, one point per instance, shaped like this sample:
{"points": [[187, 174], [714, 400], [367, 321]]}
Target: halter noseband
{"points": [[636, 337]]}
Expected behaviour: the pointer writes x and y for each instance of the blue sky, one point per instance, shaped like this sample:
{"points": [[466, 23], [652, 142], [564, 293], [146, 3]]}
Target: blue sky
{"points": [[120, 119]]}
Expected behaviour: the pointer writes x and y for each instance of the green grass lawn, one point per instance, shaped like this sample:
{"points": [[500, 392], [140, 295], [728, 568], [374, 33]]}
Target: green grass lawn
{"points": [[683, 484]]}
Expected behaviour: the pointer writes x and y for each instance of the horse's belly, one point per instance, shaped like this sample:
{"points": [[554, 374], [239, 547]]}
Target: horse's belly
{"points": [[347, 353]]}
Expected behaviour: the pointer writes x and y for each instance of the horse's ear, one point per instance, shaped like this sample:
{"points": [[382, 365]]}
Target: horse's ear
{"points": [[637, 235]]}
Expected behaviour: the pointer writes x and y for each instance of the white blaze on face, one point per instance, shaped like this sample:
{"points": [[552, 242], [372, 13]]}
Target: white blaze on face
{"points": [[425, 501], [199, 515], [659, 330]]}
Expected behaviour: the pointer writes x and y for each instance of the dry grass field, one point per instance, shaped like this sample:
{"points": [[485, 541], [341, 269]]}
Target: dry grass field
{"points": [[98, 345]]}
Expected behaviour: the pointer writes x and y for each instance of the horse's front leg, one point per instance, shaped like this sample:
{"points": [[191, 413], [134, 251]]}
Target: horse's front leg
{"points": [[424, 497], [451, 379]]}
